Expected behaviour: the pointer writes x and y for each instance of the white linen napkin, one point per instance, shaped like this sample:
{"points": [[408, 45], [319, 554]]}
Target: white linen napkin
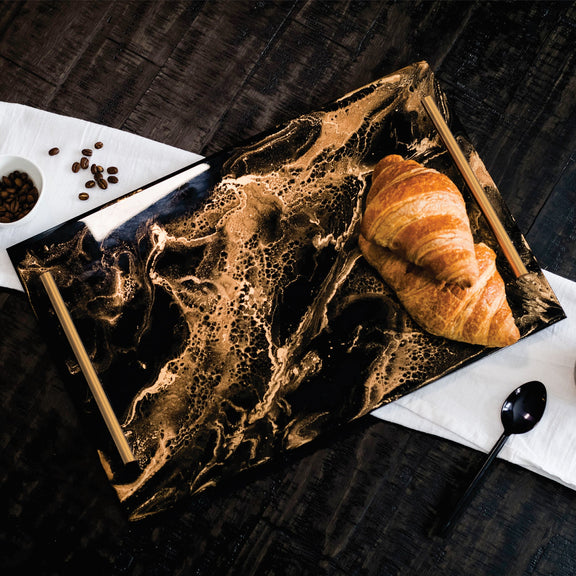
{"points": [[31, 133], [463, 407]]}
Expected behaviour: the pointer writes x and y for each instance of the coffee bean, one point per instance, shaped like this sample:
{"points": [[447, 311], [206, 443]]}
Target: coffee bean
{"points": [[6, 193]]}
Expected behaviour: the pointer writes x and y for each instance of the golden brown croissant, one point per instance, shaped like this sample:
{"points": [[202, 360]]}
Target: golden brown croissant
{"points": [[419, 214], [479, 314]]}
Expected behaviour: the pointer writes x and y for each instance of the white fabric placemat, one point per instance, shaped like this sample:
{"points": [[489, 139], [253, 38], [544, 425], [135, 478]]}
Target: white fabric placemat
{"points": [[463, 407]]}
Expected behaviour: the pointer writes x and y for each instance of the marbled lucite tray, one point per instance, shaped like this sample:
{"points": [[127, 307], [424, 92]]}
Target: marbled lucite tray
{"points": [[234, 318]]}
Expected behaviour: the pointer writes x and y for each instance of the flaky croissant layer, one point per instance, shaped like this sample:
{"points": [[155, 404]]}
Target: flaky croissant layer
{"points": [[420, 215], [479, 314]]}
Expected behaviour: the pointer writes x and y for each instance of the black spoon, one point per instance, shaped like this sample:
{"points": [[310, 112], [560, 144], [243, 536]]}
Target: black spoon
{"points": [[521, 411]]}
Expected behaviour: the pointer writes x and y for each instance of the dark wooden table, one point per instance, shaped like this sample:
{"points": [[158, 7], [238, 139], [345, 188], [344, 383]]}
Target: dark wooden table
{"points": [[204, 75]]}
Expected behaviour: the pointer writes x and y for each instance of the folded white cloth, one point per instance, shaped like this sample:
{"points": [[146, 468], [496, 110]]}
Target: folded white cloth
{"points": [[31, 133], [464, 406]]}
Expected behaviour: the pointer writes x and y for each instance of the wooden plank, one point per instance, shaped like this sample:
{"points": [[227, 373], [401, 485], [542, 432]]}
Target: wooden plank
{"points": [[485, 77], [502, 95], [201, 78], [23, 87], [273, 92], [539, 135], [104, 85], [383, 36], [46, 38], [9, 12], [151, 29], [553, 234], [344, 23], [332, 59]]}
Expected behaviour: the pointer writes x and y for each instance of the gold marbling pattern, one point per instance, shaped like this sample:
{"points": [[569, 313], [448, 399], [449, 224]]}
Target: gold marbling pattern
{"points": [[236, 318]]}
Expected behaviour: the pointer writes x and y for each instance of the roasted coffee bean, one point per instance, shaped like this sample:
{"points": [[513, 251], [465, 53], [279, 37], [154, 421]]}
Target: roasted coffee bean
{"points": [[90, 184], [83, 195], [112, 170], [93, 168], [54, 151], [102, 183], [76, 167], [84, 163], [113, 179], [98, 145], [87, 152]]}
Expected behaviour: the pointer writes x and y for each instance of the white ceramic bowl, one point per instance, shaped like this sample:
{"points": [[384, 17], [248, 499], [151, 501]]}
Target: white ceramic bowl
{"points": [[10, 163]]}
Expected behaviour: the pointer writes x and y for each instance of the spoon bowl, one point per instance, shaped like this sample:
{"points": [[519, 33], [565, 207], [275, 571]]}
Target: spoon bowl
{"points": [[521, 411], [524, 408]]}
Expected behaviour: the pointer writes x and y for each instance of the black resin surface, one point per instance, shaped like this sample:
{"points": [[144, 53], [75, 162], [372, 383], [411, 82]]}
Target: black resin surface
{"points": [[235, 318]]}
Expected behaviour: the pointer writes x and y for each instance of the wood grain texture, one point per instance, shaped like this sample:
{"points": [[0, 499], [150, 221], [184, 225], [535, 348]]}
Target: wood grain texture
{"points": [[46, 38], [523, 119], [202, 76]]}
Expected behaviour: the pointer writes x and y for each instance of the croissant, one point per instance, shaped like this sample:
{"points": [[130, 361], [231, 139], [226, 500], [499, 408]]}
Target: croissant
{"points": [[419, 214], [479, 314]]}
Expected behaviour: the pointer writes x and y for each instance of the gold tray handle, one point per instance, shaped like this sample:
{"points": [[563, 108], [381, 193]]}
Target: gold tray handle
{"points": [[496, 225], [87, 368]]}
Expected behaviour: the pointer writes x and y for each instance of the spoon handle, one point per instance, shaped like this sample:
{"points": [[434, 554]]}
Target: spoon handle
{"points": [[467, 496]]}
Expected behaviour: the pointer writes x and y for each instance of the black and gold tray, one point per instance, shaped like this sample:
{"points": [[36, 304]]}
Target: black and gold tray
{"points": [[226, 309]]}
